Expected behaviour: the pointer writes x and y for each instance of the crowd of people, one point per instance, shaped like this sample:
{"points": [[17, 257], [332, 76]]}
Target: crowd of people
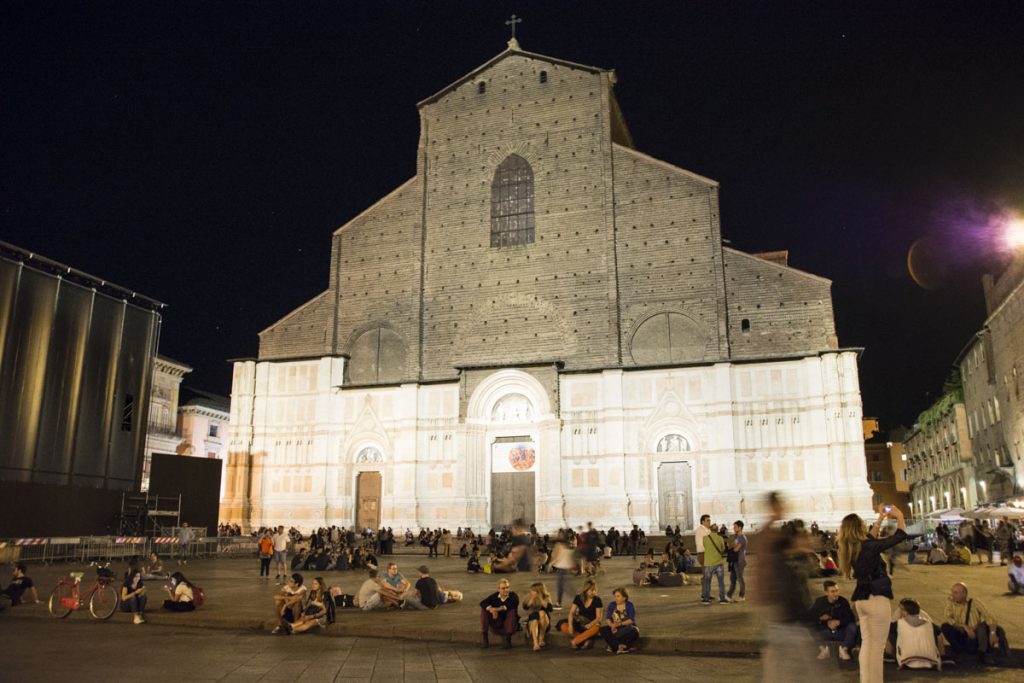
{"points": [[863, 626]]}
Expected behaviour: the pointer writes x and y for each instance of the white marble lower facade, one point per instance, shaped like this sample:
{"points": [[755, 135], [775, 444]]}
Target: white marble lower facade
{"points": [[621, 447]]}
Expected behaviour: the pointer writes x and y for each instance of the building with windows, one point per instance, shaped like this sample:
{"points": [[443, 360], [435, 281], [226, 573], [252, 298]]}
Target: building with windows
{"points": [[203, 424], [940, 457], [886, 467], [993, 462], [1002, 341], [544, 322], [163, 435]]}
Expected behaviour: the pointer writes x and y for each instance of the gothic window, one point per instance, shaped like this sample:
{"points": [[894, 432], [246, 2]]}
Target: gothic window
{"points": [[543, 76], [512, 219], [481, 87], [673, 443], [377, 356], [369, 454]]}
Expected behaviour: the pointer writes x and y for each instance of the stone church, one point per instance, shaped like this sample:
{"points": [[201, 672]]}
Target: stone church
{"points": [[543, 322]]}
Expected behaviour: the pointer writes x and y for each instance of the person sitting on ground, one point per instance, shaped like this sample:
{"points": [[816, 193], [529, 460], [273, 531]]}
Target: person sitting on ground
{"points": [[473, 565], [180, 597], [463, 551], [499, 613], [314, 615], [133, 593], [961, 554], [937, 555], [394, 587], [584, 617], [914, 640], [835, 621], [426, 594], [154, 570], [344, 560], [1016, 576], [312, 559], [620, 631], [299, 561], [687, 563], [370, 560], [518, 558], [324, 561], [21, 590], [538, 602], [368, 597], [288, 603], [968, 626], [827, 566]]}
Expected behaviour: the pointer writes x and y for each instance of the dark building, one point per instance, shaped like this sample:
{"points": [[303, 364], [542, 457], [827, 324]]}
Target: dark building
{"points": [[76, 357]]}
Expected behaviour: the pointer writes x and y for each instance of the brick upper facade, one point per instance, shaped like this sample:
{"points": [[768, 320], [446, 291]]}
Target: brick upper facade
{"points": [[627, 266]]}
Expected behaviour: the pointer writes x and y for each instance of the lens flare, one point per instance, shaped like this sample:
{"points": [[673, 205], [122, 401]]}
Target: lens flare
{"points": [[1013, 234]]}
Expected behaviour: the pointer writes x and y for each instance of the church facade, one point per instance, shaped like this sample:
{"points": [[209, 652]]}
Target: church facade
{"points": [[544, 323]]}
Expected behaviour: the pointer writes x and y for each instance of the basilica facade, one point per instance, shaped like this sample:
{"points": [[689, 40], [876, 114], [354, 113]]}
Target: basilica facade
{"points": [[544, 322]]}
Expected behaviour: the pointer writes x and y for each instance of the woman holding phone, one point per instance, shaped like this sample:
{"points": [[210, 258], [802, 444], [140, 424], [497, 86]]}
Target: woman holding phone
{"points": [[860, 558]]}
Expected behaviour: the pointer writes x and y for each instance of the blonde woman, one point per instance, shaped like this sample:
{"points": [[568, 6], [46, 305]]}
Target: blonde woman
{"points": [[860, 558], [539, 620]]}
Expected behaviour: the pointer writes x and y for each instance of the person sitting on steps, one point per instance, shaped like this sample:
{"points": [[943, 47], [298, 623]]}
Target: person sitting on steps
{"points": [[180, 597], [499, 613], [539, 619]]}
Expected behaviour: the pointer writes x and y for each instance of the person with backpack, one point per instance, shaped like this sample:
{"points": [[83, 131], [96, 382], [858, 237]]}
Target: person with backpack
{"points": [[736, 557], [714, 566], [180, 595]]}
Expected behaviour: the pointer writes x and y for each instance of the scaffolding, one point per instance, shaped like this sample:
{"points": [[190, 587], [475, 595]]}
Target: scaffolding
{"points": [[143, 514]]}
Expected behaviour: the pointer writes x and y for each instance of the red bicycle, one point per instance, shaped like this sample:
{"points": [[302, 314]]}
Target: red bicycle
{"points": [[101, 597]]}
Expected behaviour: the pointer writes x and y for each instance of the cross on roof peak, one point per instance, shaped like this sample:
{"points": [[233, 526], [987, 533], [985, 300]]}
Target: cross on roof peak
{"points": [[513, 44]]}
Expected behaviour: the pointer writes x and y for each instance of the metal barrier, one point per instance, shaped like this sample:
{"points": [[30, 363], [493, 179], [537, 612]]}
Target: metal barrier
{"points": [[109, 548]]}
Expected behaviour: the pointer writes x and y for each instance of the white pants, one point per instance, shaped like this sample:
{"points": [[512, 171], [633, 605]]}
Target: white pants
{"points": [[875, 615]]}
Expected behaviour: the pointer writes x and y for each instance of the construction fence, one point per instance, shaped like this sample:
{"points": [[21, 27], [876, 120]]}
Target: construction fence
{"points": [[110, 548]]}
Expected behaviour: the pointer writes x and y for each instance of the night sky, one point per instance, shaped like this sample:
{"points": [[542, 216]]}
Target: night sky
{"points": [[202, 153]]}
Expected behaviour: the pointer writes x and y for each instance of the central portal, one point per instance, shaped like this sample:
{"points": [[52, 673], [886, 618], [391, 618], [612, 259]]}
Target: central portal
{"points": [[368, 496], [675, 494], [513, 481]]}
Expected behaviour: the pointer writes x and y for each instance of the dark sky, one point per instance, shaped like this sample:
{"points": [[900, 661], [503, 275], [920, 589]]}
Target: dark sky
{"points": [[202, 153]]}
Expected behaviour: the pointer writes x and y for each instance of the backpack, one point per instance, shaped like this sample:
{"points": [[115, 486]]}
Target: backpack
{"points": [[198, 596], [329, 606]]}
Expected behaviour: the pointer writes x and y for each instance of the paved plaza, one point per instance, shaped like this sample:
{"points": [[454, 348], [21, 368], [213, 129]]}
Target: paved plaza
{"points": [[230, 632]]}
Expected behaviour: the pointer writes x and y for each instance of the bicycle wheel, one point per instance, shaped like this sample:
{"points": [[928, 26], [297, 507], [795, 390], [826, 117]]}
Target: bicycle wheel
{"points": [[103, 602], [60, 598]]}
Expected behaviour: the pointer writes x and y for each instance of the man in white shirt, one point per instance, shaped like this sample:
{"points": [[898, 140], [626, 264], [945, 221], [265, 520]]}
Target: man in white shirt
{"points": [[281, 554], [699, 533], [368, 597]]}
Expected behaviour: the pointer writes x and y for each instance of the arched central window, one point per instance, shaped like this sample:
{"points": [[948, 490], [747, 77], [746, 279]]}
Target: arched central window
{"points": [[512, 203]]}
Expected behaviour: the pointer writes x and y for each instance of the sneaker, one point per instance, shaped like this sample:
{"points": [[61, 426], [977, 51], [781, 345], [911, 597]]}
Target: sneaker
{"points": [[739, 599], [705, 602], [948, 661], [724, 601], [888, 658], [277, 630], [556, 607], [137, 619], [823, 652], [844, 654], [609, 650]]}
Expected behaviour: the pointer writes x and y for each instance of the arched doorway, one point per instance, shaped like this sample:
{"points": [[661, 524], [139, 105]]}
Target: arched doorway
{"points": [[675, 483], [368, 488], [513, 461]]}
